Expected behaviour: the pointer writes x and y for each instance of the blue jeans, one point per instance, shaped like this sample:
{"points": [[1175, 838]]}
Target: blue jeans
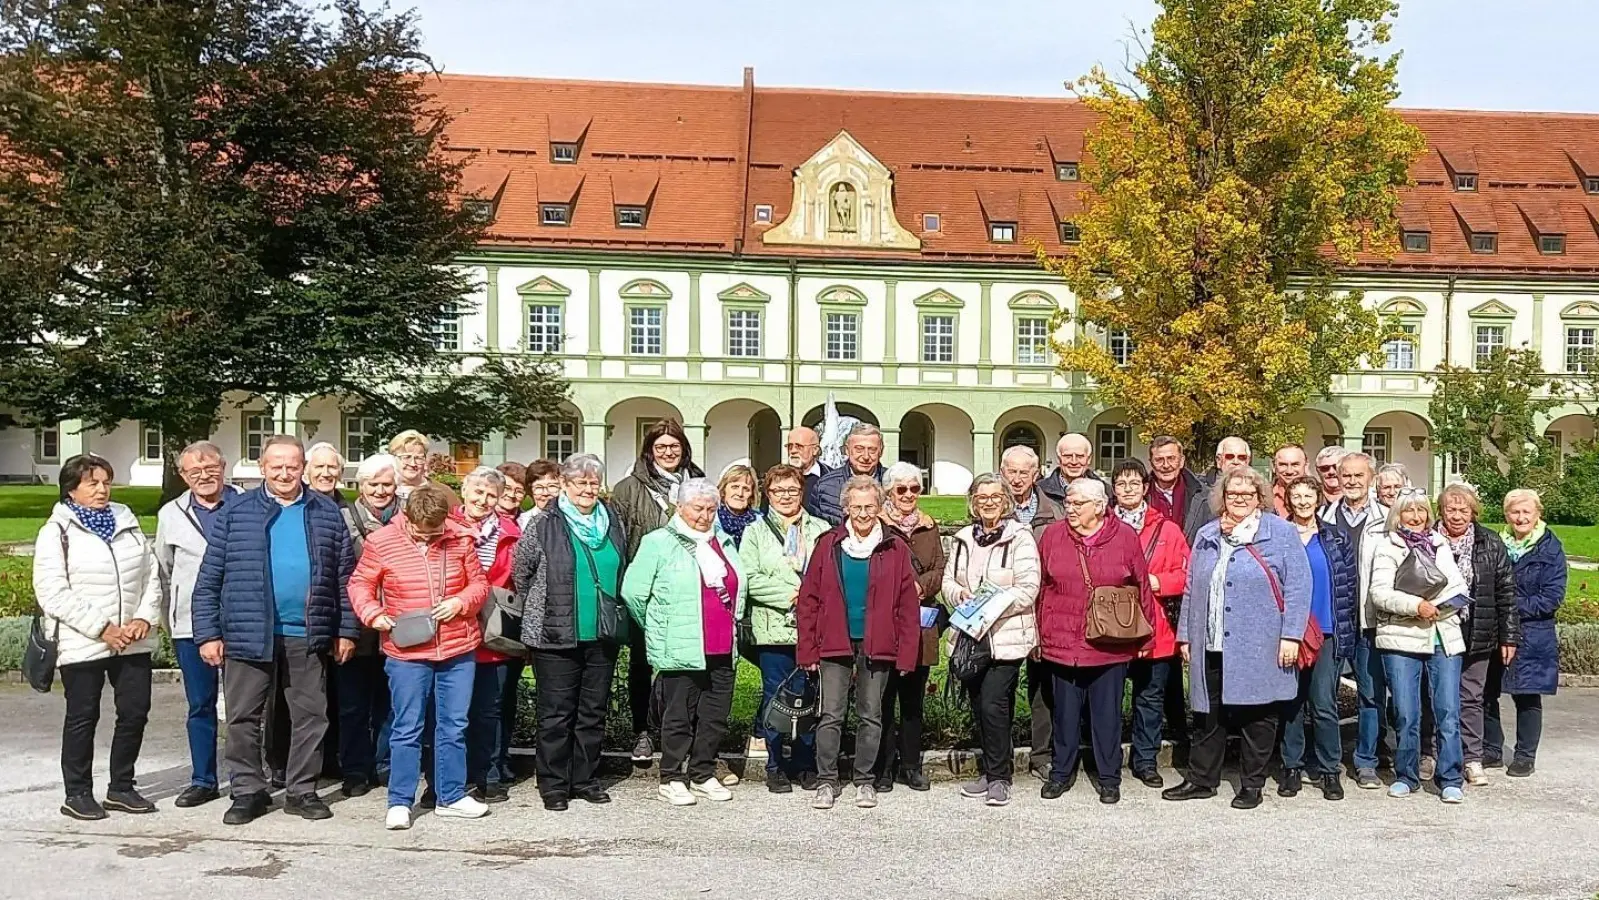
{"points": [[200, 687], [412, 683], [1372, 685], [777, 663], [486, 726], [1316, 705], [1405, 672], [1149, 677]]}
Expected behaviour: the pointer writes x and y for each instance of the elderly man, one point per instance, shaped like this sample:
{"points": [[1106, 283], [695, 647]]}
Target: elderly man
{"points": [[803, 448], [1034, 508], [1327, 468], [1177, 492], [863, 455], [1073, 452], [1287, 465], [270, 598], [182, 529]]}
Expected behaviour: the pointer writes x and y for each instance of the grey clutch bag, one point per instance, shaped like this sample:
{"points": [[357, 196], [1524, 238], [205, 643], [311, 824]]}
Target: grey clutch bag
{"points": [[1419, 576], [413, 628]]}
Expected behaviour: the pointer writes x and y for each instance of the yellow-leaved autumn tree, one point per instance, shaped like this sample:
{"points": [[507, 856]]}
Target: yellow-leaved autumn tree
{"points": [[1253, 151]]}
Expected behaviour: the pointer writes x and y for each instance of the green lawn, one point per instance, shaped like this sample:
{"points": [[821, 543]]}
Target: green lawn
{"points": [[23, 508], [947, 510], [1579, 540]]}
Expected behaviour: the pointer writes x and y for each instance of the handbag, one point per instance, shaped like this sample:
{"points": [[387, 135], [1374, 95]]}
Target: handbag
{"points": [[413, 628], [1419, 576], [610, 620], [794, 709], [969, 657], [1310, 645], [39, 654], [1114, 613], [502, 622]]}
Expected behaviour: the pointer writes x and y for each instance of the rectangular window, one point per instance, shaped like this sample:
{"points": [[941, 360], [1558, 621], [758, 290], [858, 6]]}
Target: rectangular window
{"points": [[563, 153], [257, 428], [358, 431], [843, 336], [1399, 354], [1489, 339], [1113, 441], [930, 222], [1458, 463], [1066, 171], [743, 332], [1418, 241], [1120, 345], [1002, 232], [1591, 185], [447, 333], [1032, 341], [1374, 443], [1465, 182], [480, 210], [544, 329], [763, 213], [1070, 233], [644, 330], [554, 214], [1552, 244], [1484, 242], [1580, 349], [938, 339], [150, 441], [47, 444], [630, 217], [560, 439]]}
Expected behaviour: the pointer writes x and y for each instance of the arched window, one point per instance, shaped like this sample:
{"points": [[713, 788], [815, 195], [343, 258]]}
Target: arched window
{"points": [[1022, 434]]}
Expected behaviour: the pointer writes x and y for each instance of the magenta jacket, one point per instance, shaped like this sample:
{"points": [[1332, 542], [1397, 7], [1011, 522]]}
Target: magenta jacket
{"points": [[1115, 558]]}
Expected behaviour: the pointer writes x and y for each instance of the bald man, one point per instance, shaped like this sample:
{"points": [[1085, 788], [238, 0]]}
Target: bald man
{"points": [[1073, 453], [803, 447]]}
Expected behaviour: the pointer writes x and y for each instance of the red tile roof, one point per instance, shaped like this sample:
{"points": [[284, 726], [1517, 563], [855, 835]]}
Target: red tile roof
{"points": [[702, 158]]}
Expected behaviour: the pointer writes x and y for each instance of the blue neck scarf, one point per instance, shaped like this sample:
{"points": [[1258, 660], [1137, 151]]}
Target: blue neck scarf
{"points": [[734, 523], [103, 522]]}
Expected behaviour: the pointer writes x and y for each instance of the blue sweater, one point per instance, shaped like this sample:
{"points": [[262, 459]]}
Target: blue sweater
{"points": [[290, 553], [1321, 589]]}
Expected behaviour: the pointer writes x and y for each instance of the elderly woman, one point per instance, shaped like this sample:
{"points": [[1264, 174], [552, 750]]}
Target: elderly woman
{"points": [[544, 484], [1157, 674], [95, 578], [1493, 626], [423, 568], [1335, 607], [511, 498], [1000, 552], [776, 553], [1091, 549], [859, 622], [410, 450], [900, 753], [687, 588], [1243, 619], [488, 740], [737, 510], [645, 500], [1539, 561], [568, 577], [1391, 478], [1419, 636]]}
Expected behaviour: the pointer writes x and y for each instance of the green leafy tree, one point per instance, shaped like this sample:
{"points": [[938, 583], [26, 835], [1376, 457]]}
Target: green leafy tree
{"points": [[233, 197], [1253, 150], [1487, 418]]}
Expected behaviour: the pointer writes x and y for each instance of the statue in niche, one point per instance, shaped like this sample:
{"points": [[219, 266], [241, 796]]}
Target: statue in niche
{"points": [[841, 208]]}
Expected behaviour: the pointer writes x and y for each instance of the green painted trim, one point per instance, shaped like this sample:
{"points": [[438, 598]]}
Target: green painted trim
{"points": [[627, 335], [1031, 314], [1582, 309], [647, 290], [1537, 324], [694, 315], [938, 298], [890, 331], [1492, 309], [1034, 300], [543, 286], [39, 457], [1403, 307], [244, 432], [985, 322], [1504, 328], [594, 318], [744, 293], [759, 310], [491, 307], [954, 317]]}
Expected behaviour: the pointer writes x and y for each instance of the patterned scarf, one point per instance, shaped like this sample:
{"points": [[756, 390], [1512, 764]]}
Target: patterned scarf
{"points": [[102, 522], [1134, 518], [592, 529], [1026, 511], [707, 555], [1518, 547], [1419, 541], [983, 536], [1462, 547], [734, 523]]}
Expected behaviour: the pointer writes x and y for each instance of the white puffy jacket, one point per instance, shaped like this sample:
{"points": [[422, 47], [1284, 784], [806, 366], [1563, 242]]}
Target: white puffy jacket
{"points": [[94, 584], [1010, 562], [179, 547], [1398, 629]]}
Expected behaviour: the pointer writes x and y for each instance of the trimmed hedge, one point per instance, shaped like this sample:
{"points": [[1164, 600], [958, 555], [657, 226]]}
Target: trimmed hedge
{"points": [[14, 636], [16, 585]]}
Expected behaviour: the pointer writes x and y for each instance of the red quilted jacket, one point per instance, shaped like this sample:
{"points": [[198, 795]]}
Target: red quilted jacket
{"points": [[406, 576]]}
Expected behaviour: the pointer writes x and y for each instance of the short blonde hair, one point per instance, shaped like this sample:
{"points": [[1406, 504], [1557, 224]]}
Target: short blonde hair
{"points": [[1218, 493], [1520, 494], [738, 473], [406, 438], [1004, 490], [1465, 495], [1409, 498]]}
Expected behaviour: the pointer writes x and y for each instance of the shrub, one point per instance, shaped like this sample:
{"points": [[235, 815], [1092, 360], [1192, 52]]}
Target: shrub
{"points": [[16, 585], [1580, 608], [14, 636], [1579, 648]]}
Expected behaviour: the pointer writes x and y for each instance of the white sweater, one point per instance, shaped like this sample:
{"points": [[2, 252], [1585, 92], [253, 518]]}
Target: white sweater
{"points": [[1010, 562], [95, 585]]}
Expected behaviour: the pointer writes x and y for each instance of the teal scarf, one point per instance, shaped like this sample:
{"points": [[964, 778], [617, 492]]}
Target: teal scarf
{"points": [[1517, 548], [593, 529]]}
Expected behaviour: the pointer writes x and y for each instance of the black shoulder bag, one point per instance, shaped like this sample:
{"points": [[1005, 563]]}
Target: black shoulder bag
{"points": [[611, 616], [40, 653]]}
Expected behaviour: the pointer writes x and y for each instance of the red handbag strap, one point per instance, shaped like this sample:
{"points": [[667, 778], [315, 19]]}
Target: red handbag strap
{"points": [[1271, 579]]}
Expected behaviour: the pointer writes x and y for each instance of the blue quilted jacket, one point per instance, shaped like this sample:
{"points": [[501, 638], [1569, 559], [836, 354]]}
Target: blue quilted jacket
{"points": [[233, 593], [1345, 569]]}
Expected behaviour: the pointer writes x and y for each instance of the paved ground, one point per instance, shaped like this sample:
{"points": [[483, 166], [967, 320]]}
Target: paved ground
{"points": [[1524, 839]]}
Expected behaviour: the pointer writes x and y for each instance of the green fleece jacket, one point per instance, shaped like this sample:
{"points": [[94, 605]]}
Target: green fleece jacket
{"points": [[772, 579], [662, 591]]}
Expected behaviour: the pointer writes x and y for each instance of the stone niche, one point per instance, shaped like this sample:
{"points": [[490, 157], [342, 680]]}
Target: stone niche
{"points": [[843, 197]]}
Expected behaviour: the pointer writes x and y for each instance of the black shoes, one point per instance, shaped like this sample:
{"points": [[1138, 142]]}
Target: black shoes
{"points": [[1520, 768], [430, 799], [278, 779], [1292, 781], [777, 782], [595, 795], [1493, 762], [1331, 787], [307, 806], [196, 795], [556, 803], [915, 780], [1110, 795], [356, 787], [1150, 778], [1248, 798], [884, 784], [84, 807], [247, 808], [1188, 791], [492, 793], [128, 801], [1054, 790], [809, 782]]}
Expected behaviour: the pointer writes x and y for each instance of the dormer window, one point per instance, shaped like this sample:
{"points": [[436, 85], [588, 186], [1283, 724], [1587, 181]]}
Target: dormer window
{"points": [[931, 222], [1002, 232], [1552, 244], [479, 210], [1417, 241], [1591, 184], [1465, 181], [763, 213], [1066, 171], [563, 153], [1070, 233], [630, 217], [558, 214], [1484, 242]]}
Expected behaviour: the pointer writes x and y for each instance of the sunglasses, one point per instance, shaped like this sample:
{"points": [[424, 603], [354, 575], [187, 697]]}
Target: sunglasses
{"points": [[902, 489]]}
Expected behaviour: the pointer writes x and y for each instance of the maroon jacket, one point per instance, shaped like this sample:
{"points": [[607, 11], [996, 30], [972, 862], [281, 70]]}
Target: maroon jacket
{"points": [[1115, 558], [893, 612]]}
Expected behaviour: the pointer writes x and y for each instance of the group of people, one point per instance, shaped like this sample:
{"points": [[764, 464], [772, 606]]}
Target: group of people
{"points": [[385, 637]]}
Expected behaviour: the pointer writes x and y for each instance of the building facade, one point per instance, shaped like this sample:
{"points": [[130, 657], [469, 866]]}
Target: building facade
{"points": [[731, 257]]}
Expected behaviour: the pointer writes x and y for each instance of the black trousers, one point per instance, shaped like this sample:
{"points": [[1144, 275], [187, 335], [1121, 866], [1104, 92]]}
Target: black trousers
{"points": [[902, 735], [1041, 703], [1257, 730], [574, 690], [694, 709], [83, 683], [642, 700], [1099, 690], [993, 695], [362, 687]]}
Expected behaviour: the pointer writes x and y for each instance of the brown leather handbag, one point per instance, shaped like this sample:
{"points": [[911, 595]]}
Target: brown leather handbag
{"points": [[1114, 613]]}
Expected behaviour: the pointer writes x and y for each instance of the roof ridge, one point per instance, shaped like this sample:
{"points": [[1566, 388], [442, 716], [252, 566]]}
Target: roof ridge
{"points": [[594, 82]]}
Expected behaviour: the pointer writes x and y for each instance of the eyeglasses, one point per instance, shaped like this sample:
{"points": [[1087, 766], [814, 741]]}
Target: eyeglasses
{"points": [[411, 457], [1242, 495], [1235, 457], [789, 491], [862, 510], [1413, 492], [989, 498], [197, 471], [585, 484], [1080, 504], [673, 447], [903, 489], [1131, 484], [1331, 468]]}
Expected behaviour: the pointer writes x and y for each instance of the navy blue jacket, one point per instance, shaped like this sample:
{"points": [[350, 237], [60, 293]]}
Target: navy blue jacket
{"points": [[1540, 589], [233, 594], [1344, 567], [822, 499]]}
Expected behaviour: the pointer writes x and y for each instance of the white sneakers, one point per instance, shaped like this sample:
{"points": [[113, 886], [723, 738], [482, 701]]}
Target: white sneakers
{"points": [[398, 819], [464, 808], [676, 793], [711, 789], [1475, 776]]}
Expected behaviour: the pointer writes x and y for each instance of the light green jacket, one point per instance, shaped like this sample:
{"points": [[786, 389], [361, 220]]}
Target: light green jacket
{"points": [[662, 591], [772, 579]]}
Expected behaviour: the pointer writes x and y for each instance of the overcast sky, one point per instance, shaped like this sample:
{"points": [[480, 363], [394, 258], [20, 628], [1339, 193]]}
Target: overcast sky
{"points": [[1509, 54]]}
